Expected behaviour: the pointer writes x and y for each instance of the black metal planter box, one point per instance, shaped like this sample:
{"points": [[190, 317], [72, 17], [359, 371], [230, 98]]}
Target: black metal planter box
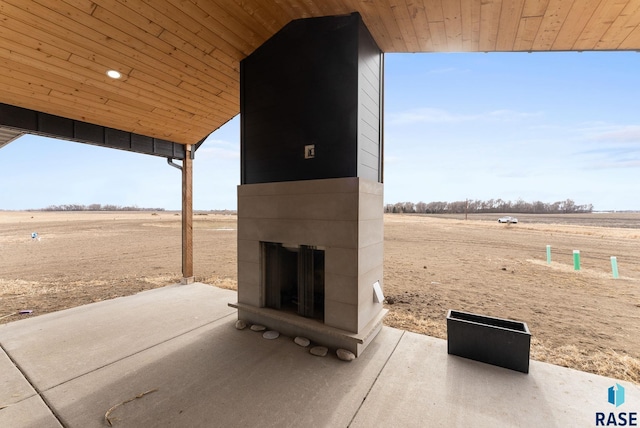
{"points": [[496, 341]]}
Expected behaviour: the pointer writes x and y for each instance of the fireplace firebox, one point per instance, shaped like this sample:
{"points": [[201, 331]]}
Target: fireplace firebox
{"points": [[293, 278]]}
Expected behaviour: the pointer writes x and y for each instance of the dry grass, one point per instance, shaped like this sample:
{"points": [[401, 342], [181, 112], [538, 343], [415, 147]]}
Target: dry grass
{"points": [[23, 288], [16, 287], [226, 283], [604, 363], [409, 322]]}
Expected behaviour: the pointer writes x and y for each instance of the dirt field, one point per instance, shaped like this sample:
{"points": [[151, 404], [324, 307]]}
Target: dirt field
{"points": [[583, 319]]}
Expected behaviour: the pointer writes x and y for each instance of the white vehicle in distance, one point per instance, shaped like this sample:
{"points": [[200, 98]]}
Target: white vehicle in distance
{"points": [[507, 219]]}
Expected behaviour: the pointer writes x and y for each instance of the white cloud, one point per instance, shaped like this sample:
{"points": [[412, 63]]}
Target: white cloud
{"points": [[436, 115], [620, 134], [392, 159], [618, 164], [429, 115], [218, 149], [509, 115]]}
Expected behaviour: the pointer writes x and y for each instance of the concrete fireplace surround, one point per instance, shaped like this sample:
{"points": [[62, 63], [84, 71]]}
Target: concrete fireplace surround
{"points": [[343, 217]]}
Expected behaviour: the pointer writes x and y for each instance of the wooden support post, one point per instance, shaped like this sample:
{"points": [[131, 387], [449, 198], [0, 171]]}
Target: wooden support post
{"points": [[187, 217]]}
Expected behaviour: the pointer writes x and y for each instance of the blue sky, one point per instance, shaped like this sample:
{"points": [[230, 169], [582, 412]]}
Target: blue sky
{"points": [[539, 126]]}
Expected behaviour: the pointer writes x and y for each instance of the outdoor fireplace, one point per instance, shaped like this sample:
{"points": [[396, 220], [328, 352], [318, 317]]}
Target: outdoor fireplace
{"points": [[310, 203]]}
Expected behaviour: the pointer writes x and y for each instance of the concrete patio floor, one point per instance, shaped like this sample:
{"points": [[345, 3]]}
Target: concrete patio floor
{"points": [[176, 349]]}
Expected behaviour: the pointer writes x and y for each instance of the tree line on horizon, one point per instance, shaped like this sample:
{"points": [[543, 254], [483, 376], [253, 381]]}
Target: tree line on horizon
{"points": [[96, 207], [491, 206]]}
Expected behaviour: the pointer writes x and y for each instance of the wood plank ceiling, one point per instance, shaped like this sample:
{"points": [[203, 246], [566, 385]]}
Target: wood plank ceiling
{"points": [[180, 58]]}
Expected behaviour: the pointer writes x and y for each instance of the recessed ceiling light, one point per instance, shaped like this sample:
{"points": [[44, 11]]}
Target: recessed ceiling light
{"points": [[114, 74]]}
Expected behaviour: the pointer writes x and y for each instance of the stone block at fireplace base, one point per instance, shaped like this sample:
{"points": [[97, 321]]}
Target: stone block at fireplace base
{"points": [[292, 326]]}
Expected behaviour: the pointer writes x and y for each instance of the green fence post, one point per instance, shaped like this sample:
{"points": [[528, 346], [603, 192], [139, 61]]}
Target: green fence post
{"points": [[576, 259], [614, 266], [548, 254]]}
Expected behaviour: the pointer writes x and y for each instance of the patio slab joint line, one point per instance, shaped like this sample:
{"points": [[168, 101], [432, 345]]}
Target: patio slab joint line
{"points": [[355, 414], [35, 388]]}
